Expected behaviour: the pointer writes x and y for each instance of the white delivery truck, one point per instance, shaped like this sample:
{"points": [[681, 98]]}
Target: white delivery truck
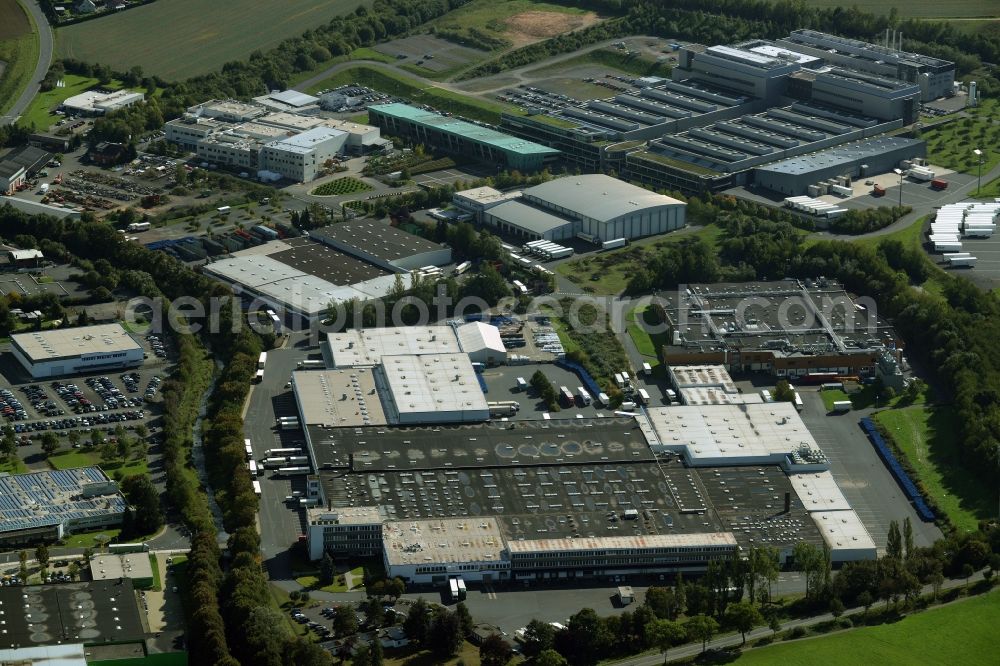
{"points": [[643, 397], [522, 385], [841, 406], [647, 369]]}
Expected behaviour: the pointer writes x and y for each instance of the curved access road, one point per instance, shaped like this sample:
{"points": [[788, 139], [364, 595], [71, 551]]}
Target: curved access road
{"points": [[45, 49]]}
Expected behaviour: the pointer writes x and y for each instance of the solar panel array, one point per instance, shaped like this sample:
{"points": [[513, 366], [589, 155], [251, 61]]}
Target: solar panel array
{"points": [[42, 499]]}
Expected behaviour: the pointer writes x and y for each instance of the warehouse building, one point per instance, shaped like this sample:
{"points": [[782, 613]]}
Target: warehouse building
{"points": [[707, 385], [788, 328], [66, 351], [48, 506], [480, 199], [137, 567], [356, 348], [98, 103], [593, 205], [20, 165], [882, 154], [460, 137], [301, 278], [383, 245], [337, 398], [430, 388], [935, 77]]}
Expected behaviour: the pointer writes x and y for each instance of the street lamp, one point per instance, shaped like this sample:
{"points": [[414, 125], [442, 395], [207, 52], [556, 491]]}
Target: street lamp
{"points": [[899, 172], [978, 153]]}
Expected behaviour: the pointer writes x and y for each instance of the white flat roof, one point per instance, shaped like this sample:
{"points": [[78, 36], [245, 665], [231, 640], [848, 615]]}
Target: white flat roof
{"points": [[338, 397], [293, 98], [304, 142], [710, 395], [93, 100], [843, 530], [60, 343], [125, 565], [476, 336], [433, 383], [366, 347], [773, 51], [689, 540], [735, 433], [351, 515], [598, 196], [819, 491], [684, 376], [443, 541], [486, 195], [252, 270]]}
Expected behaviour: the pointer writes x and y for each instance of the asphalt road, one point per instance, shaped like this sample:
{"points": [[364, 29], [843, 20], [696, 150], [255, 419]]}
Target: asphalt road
{"points": [[45, 45]]}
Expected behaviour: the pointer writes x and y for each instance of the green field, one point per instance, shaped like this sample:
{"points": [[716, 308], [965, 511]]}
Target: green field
{"points": [[917, 8], [85, 458], [607, 273], [612, 58], [831, 396], [926, 436], [990, 190], [393, 83], [490, 18], [90, 539], [951, 145], [18, 52], [648, 344], [177, 39], [959, 633], [341, 186], [40, 112]]}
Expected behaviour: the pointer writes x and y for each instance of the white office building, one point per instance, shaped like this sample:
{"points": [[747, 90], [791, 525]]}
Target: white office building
{"points": [[302, 156]]}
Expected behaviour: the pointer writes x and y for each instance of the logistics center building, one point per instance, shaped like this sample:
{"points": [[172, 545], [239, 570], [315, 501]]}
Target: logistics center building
{"points": [[66, 351]]}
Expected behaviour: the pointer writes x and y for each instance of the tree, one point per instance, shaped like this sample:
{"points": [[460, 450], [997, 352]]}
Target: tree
{"points": [[550, 658], [464, 618], [701, 628], [50, 443], [445, 633], [809, 560], [8, 445], [663, 635], [967, 572], [907, 538], [74, 438], [587, 638], [744, 616], [417, 624], [894, 543], [327, 569], [538, 637], [376, 657], [836, 607], [866, 600], [42, 555], [375, 612], [363, 657], [74, 570], [345, 621], [494, 651], [783, 392], [23, 558], [663, 602]]}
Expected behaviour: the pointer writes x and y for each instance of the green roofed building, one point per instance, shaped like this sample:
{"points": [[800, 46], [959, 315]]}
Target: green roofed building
{"points": [[460, 137]]}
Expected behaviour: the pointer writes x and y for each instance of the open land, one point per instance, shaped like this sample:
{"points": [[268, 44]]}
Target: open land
{"points": [[960, 633], [517, 22], [18, 51], [920, 8], [951, 144], [158, 38], [925, 435], [40, 113]]}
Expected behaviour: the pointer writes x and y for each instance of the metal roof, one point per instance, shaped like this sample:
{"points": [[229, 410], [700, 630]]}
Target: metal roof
{"points": [[840, 155], [293, 98], [597, 196], [467, 130], [73, 342], [527, 217]]}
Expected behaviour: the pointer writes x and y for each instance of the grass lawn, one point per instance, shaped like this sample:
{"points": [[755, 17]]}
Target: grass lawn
{"points": [[990, 190], [18, 50], [611, 58], [340, 186], [831, 396], [647, 343], [157, 583], [608, 273], [393, 83], [410, 656], [281, 602], [86, 458], [13, 465], [362, 53], [925, 436], [90, 539], [960, 633], [164, 38], [951, 145]]}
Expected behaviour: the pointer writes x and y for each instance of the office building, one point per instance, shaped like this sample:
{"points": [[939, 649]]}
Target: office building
{"points": [[65, 351], [98, 103]]}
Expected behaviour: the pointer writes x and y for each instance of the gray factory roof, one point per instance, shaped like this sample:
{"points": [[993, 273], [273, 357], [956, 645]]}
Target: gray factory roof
{"points": [[840, 155], [375, 238], [359, 347], [598, 196], [293, 98], [338, 398], [51, 498], [428, 383], [444, 541], [326, 262], [94, 612], [59, 343], [527, 217]]}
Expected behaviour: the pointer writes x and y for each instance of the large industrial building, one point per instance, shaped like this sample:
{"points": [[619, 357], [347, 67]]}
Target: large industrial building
{"points": [[592, 206], [48, 506], [302, 277], [730, 111], [269, 142], [362, 348], [452, 135], [98, 103], [789, 328], [66, 351]]}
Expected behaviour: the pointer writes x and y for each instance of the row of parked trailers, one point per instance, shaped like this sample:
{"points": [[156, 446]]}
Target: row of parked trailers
{"points": [[813, 206], [199, 248], [547, 249], [962, 221]]}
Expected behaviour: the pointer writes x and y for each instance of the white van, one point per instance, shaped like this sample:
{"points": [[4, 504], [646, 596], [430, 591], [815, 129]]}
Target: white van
{"points": [[643, 397], [628, 406], [521, 384]]}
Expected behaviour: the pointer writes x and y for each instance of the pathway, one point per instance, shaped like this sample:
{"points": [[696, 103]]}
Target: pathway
{"points": [[45, 43]]}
